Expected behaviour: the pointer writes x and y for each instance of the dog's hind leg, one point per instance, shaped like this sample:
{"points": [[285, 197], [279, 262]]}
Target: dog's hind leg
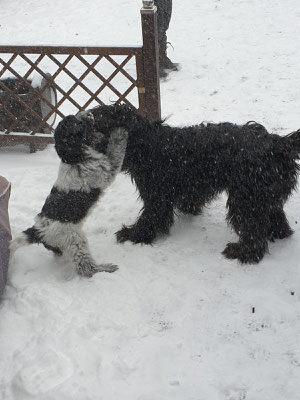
{"points": [[279, 227], [75, 248], [250, 220], [18, 241], [24, 238], [156, 218]]}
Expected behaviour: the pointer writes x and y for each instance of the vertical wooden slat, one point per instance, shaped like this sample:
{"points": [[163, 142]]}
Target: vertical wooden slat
{"points": [[151, 60]]}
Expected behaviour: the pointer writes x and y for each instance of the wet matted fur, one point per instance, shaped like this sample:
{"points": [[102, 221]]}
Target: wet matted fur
{"points": [[185, 168], [89, 163]]}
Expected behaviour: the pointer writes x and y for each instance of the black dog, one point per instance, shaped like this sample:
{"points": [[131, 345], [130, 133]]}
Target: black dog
{"points": [[185, 168], [89, 163]]}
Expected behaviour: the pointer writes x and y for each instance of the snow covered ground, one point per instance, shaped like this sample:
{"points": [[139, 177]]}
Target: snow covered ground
{"points": [[176, 321]]}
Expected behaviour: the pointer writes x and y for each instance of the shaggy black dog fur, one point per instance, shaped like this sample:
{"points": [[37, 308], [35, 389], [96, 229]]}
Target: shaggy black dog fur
{"points": [[185, 168]]}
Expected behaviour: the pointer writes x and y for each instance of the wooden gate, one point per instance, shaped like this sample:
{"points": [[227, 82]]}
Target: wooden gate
{"points": [[39, 85]]}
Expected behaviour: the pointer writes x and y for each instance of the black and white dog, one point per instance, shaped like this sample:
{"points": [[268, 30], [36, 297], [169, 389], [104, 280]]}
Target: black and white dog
{"points": [[89, 163], [185, 168]]}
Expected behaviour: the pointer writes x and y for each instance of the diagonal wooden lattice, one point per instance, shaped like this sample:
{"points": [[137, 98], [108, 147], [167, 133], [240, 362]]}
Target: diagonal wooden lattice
{"points": [[24, 54], [28, 112]]}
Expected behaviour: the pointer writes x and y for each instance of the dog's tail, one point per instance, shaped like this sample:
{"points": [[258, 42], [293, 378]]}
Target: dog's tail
{"points": [[294, 139], [24, 239]]}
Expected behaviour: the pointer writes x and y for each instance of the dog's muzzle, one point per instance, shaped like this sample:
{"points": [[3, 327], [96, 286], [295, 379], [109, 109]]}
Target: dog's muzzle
{"points": [[85, 115]]}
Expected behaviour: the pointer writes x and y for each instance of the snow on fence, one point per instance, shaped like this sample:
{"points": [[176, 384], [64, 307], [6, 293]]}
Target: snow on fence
{"points": [[39, 85]]}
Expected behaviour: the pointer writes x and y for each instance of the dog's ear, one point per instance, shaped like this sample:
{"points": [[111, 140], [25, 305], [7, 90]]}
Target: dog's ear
{"points": [[71, 135]]}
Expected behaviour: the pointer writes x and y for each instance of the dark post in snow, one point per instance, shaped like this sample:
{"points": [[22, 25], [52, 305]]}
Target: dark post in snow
{"points": [[151, 60]]}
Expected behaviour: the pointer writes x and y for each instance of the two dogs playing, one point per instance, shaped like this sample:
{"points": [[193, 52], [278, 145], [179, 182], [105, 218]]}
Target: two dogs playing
{"points": [[174, 169]]}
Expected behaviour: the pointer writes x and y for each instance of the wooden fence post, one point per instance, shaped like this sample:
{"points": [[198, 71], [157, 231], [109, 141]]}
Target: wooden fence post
{"points": [[151, 60]]}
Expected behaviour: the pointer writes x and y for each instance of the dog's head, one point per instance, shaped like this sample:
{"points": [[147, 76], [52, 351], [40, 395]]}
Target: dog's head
{"points": [[73, 135], [109, 117]]}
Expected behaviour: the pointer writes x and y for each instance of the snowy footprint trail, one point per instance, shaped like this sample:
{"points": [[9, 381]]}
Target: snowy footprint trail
{"points": [[48, 370]]}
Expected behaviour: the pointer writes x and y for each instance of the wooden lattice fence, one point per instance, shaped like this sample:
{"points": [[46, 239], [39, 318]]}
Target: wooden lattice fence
{"points": [[39, 85]]}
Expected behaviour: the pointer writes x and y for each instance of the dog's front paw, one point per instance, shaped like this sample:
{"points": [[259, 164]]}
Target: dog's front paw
{"points": [[135, 236], [232, 250], [119, 136], [123, 234]]}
